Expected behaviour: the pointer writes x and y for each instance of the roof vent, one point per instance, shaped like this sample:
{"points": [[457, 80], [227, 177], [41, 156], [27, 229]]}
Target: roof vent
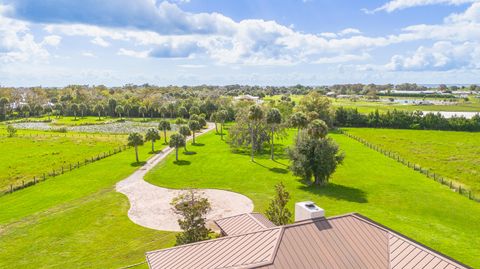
{"points": [[308, 210]]}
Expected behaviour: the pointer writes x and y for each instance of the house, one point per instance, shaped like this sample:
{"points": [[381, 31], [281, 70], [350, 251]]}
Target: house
{"points": [[248, 97], [313, 241]]}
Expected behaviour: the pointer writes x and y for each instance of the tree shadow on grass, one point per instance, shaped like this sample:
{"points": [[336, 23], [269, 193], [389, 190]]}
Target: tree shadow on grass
{"points": [[339, 192], [137, 164], [182, 162], [279, 170], [198, 144], [189, 152], [280, 151]]}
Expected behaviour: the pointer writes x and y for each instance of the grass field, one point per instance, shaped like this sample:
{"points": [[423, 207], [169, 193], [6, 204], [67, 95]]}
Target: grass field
{"points": [[367, 182], [454, 155], [86, 120], [34, 153], [365, 106], [76, 220]]}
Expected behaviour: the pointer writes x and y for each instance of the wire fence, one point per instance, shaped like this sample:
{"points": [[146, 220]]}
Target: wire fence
{"points": [[62, 170], [455, 186]]}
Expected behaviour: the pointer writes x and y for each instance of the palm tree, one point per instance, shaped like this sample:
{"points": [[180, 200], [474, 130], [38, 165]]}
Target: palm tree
{"points": [[127, 108], [152, 135], [274, 118], [255, 115], [164, 125], [214, 118], [3, 103], [317, 129], [222, 116], [119, 110], [74, 109], [194, 127], [142, 110], [182, 112], [83, 108], [48, 110], [177, 141], [98, 109], [194, 110], [135, 140], [299, 120], [185, 131]]}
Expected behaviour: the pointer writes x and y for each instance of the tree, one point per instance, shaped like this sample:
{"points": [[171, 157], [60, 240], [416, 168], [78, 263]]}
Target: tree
{"points": [[58, 110], [98, 109], [315, 102], [163, 111], [152, 135], [135, 140], [185, 131], [274, 119], [255, 116], [142, 110], [298, 120], [277, 211], [194, 110], [222, 116], [25, 110], [193, 209], [3, 106], [127, 108], [119, 110], [112, 104], [38, 109], [314, 154], [74, 108], [194, 126], [48, 110], [171, 109], [83, 108], [177, 141], [11, 131], [182, 112], [164, 125], [214, 118]]}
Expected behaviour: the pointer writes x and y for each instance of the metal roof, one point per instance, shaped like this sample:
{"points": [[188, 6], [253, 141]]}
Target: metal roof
{"points": [[348, 241], [243, 223]]}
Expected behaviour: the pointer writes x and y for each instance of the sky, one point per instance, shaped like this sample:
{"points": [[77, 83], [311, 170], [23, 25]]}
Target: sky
{"points": [[222, 42]]}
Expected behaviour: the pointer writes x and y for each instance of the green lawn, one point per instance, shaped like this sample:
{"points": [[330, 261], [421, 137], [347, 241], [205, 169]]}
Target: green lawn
{"points": [[86, 120], [24, 157], [367, 182], [76, 220], [454, 155]]}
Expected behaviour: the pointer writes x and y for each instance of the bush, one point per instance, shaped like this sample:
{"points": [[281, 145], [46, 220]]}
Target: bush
{"points": [[60, 130], [11, 131]]}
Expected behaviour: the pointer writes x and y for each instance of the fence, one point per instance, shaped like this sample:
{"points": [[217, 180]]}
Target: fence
{"points": [[438, 178], [63, 169], [58, 134]]}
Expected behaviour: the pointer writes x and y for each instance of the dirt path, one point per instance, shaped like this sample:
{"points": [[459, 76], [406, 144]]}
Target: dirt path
{"points": [[150, 205]]}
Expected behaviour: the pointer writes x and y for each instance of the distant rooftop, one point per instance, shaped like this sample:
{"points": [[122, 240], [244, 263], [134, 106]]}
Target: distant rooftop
{"points": [[348, 241]]}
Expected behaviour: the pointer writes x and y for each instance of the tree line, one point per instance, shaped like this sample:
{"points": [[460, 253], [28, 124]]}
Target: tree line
{"points": [[398, 119]]}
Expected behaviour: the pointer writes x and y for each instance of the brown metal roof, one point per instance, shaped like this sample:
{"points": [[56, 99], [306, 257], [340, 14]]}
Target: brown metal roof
{"points": [[243, 223], [241, 251], [349, 241]]}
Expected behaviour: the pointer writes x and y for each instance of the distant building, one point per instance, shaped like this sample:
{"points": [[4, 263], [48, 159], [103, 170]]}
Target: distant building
{"points": [[313, 241], [248, 97]]}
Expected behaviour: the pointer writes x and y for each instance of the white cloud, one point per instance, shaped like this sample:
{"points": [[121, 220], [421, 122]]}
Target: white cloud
{"points": [[349, 31], [133, 53], [403, 4], [52, 40], [441, 56], [100, 41], [88, 54]]}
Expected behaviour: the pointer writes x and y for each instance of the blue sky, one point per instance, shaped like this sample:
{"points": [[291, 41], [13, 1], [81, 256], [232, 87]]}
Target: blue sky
{"points": [[256, 42]]}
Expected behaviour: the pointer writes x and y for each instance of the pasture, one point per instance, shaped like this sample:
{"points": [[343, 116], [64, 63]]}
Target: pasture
{"points": [[32, 154], [454, 155], [77, 220], [368, 183]]}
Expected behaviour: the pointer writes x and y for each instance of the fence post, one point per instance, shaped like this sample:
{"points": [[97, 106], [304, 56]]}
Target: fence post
{"points": [[43, 176], [34, 180], [11, 188]]}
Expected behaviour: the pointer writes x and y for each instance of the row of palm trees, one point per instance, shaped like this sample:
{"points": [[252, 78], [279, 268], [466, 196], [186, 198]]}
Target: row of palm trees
{"points": [[177, 140]]}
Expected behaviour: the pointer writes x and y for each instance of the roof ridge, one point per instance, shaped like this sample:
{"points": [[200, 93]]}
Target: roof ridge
{"points": [[257, 221]]}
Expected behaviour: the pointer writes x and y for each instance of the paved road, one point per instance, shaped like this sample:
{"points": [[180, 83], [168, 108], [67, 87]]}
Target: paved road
{"points": [[150, 205]]}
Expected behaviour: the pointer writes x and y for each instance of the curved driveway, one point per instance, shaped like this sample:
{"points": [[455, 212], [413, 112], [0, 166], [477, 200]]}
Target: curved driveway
{"points": [[150, 205]]}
